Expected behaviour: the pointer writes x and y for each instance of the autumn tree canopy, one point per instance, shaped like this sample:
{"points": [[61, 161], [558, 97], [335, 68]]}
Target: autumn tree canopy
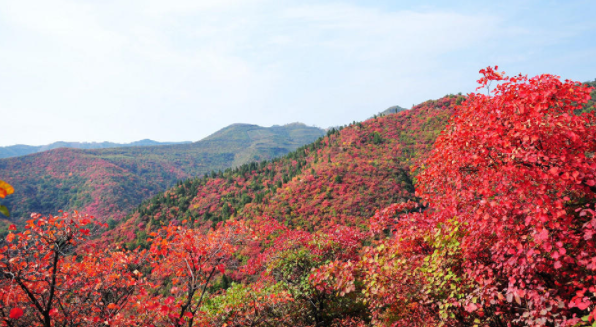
{"points": [[507, 237], [500, 230]]}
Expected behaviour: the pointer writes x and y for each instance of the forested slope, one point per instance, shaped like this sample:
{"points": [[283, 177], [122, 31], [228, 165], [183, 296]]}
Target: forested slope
{"points": [[341, 178], [500, 230], [107, 183]]}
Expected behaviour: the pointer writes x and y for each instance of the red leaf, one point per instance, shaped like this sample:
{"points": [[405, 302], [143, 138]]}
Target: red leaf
{"points": [[169, 300], [471, 307], [581, 304], [15, 313], [543, 235]]}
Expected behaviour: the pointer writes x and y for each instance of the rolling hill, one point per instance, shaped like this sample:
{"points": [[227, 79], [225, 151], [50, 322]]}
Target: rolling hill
{"points": [[334, 233], [311, 257], [23, 150], [341, 178], [107, 183]]}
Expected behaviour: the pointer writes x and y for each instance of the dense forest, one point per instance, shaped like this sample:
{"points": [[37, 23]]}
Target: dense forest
{"points": [[473, 210], [108, 183], [341, 178]]}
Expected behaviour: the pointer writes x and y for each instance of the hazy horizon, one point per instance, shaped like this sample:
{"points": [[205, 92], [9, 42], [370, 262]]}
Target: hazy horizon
{"points": [[123, 71]]}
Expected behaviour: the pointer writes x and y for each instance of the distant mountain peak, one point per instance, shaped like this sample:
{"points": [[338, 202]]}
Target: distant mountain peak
{"points": [[299, 124], [108, 182], [22, 150], [393, 110]]}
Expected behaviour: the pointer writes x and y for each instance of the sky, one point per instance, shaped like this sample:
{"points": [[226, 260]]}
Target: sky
{"points": [[179, 70]]}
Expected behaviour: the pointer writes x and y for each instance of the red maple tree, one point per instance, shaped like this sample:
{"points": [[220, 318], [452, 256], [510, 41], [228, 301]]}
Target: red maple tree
{"points": [[507, 238]]}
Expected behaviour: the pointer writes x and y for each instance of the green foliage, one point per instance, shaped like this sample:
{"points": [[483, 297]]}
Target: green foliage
{"points": [[377, 138], [442, 268], [590, 105], [247, 305], [4, 211]]}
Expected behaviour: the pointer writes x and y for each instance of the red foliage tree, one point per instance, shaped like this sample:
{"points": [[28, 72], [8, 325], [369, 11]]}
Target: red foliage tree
{"points": [[507, 238], [48, 277], [516, 169], [191, 259]]}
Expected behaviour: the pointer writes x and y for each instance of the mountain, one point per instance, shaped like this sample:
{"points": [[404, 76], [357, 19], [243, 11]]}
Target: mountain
{"points": [[341, 178], [22, 150], [392, 110], [312, 259], [333, 233], [108, 183]]}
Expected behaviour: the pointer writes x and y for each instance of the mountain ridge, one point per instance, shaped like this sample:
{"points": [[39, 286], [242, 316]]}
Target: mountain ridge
{"points": [[17, 150], [109, 182], [341, 178]]}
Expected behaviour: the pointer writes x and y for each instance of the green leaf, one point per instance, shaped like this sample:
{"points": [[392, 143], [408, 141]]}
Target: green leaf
{"points": [[4, 211]]}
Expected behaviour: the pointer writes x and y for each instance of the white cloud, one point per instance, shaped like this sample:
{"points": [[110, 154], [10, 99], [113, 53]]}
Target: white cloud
{"points": [[179, 70], [189, 7]]}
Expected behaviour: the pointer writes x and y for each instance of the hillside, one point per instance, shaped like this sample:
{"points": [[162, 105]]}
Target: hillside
{"points": [[341, 178], [108, 183], [23, 150], [306, 251], [432, 216]]}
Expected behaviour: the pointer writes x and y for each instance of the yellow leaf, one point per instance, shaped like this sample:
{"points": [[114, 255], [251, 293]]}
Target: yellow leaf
{"points": [[5, 189], [4, 211]]}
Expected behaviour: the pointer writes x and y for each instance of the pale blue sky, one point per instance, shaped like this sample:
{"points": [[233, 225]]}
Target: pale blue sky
{"points": [[120, 70]]}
